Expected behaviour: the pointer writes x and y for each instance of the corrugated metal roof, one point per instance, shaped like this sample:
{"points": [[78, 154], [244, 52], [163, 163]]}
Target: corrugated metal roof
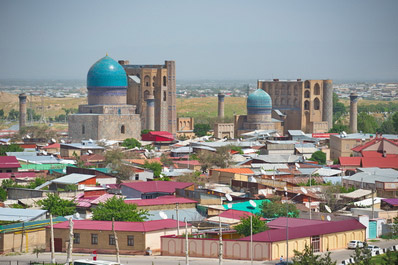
{"points": [[13, 214], [162, 200], [157, 186], [9, 162], [246, 207], [73, 178]]}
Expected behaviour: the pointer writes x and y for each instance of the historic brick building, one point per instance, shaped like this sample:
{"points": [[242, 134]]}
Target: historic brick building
{"points": [[308, 105]]}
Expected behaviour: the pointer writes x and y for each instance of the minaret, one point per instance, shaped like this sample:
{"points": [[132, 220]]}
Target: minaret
{"points": [[327, 114], [353, 112], [150, 113], [221, 105], [22, 110]]}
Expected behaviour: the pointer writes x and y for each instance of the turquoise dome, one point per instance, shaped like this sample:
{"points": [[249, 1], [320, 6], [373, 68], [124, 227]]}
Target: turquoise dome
{"points": [[106, 73], [259, 102]]}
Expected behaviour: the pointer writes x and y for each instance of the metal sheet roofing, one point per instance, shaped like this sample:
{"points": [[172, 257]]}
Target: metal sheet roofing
{"points": [[73, 178], [157, 186], [13, 214], [9, 162], [246, 207], [162, 200]]}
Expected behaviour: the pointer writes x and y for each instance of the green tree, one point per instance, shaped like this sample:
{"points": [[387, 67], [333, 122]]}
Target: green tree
{"points": [[131, 143], [244, 227], [145, 131], [3, 194], [37, 182], [395, 121], [367, 123], [339, 127], [394, 226], [166, 161], [13, 115], [221, 158], [155, 167], [362, 256], [57, 206], [2, 114], [390, 258], [307, 257], [116, 208], [387, 127], [201, 129], [10, 148], [319, 157], [277, 209], [191, 177]]}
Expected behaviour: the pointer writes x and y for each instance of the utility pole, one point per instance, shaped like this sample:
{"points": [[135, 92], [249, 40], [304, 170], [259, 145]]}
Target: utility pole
{"points": [[220, 243], [70, 246], [52, 239], [373, 203], [116, 241], [251, 239], [186, 242], [178, 220]]}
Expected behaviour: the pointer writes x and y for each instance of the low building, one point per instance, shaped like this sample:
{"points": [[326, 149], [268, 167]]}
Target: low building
{"points": [[224, 130], [133, 237], [81, 180], [79, 149], [54, 148], [21, 215], [185, 126], [9, 164], [226, 175], [163, 203]]}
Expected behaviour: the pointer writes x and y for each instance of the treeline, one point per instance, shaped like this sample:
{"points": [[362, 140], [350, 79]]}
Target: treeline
{"points": [[32, 115]]}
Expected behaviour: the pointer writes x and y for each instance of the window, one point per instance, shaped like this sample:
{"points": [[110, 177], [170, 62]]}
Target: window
{"points": [[307, 94], [112, 240], [306, 105], [94, 239], [164, 80], [317, 104], [123, 129], [76, 238], [83, 129], [307, 84], [164, 95], [130, 240], [147, 79], [317, 89]]}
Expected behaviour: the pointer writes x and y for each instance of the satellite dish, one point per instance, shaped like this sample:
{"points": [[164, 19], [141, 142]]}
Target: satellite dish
{"points": [[253, 203], [90, 152], [163, 215], [297, 165], [273, 177], [27, 136], [53, 140], [328, 218], [262, 192], [90, 141], [328, 209], [77, 215], [228, 196], [229, 205], [285, 188], [62, 141], [304, 190], [44, 153]]}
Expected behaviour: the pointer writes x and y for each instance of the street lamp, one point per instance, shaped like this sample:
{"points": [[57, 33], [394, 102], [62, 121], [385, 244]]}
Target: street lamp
{"points": [[287, 220]]}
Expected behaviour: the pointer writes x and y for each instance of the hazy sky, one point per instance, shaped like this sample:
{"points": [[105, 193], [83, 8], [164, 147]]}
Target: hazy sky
{"points": [[215, 39]]}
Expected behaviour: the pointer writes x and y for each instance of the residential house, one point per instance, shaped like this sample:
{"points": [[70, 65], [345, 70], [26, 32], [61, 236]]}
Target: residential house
{"points": [[81, 180], [153, 189], [9, 164]]}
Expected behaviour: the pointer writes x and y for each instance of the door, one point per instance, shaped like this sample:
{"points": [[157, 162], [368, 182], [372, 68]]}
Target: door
{"points": [[315, 243], [372, 229], [58, 244]]}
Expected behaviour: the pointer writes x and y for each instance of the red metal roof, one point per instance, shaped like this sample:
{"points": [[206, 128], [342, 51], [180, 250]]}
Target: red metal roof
{"points": [[18, 175], [376, 154], [350, 161], [237, 215], [190, 162], [162, 200], [55, 145], [243, 170], [381, 162], [309, 228], [157, 186], [158, 136], [9, 162], [121, 226]]}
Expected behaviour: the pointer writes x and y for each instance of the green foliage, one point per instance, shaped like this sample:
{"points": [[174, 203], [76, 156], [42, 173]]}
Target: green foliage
{"points": [[387, 127], [17, 206], [395, 121], [221, 158], [309, 183], [131, 143], [116, 208], [155, 167], [166, 161], [37, 182], [338, 108], [339, 127], [191, 177], [71, 187], [10, 148], [13, 115], [307, 257], [367, 123], [10, 183], [319, 157], [237, 149], [244, 227], [394, 226], [2, 114], [57, 206], [37, 251], [277, 209], [201, 129], [362, 256], [3, 194], [389, 258], [145, 131]]}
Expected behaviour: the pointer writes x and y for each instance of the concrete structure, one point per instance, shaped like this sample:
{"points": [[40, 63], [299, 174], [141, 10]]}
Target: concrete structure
{"points": [[150, 113], [224, 130], [158, 81], [22, 110], [308, 105], [185, 126], [353, 112], [107, 116], [259, 106], [221, 106], [133, 237]]}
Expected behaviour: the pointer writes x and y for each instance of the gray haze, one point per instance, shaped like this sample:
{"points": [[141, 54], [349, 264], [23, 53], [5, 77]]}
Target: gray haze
{"points": [[339, 39]]}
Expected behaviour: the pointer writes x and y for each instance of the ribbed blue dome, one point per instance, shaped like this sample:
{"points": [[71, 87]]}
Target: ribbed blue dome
{"points": [[259, 100], [106, 73]]}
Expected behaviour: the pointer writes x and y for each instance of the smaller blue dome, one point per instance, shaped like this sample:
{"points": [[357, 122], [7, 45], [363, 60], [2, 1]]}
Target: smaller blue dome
{"points": [[106, 73], [259, 100]]}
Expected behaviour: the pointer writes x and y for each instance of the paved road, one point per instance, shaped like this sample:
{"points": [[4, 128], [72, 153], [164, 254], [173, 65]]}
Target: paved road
{"points": [[338, 255]]}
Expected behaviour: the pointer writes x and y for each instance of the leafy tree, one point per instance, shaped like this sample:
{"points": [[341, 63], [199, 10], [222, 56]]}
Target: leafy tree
{"points": [[37, 251], [145, 131], [367, 123], [57, 206], [394, 226], [37, 182], [221, 158], [339, 127], [116, 208], [307, 257], [319, 157], [39, 131], [155, 167], [166, 161], [10, 148], [244, 227], [277, 209], [387, 127], [201, 129], [390, 258], [395, 120], [2, 114], [191, 177], [13, 115], [3, 194], [362, 256], [338, 108], [237, 149], [131, 143]]}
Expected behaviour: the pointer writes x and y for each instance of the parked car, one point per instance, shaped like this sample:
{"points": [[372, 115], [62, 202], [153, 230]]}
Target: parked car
{"points": [[355, 244], [373, 248]]}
